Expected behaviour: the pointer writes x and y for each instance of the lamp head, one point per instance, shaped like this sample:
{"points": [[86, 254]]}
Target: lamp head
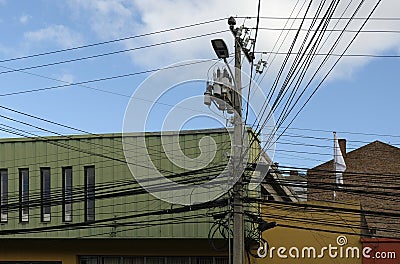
{"points": [[220, 48]]}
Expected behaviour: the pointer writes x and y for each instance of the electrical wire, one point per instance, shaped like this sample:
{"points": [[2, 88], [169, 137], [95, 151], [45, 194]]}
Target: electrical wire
{"points": [[111, 41], [113, 52], [330, 70]]}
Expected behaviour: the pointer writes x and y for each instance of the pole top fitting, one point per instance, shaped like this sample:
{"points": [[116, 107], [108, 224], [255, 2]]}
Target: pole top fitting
{"points": [[232, 23]]}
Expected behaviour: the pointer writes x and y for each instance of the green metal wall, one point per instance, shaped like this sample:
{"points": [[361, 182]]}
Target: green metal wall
{"points": [[112, 177]]}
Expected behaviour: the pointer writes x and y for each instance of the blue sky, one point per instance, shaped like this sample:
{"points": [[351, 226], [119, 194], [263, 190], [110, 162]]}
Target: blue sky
{"points": [[361, 95]]}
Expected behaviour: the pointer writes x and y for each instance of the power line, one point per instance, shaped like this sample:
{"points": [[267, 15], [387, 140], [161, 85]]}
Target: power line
{"points": [[67, 226], [252, 62], [332, 30], [335, 54], [104, 79], [112, 41], [287, 111], [333, 18], [113, 52], [279, 98], [330, 70], [344, 132]]}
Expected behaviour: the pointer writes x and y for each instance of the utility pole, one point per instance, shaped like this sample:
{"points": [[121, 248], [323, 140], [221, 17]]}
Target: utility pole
{"points": [[232, 98], [238, 188], [238, 212]]}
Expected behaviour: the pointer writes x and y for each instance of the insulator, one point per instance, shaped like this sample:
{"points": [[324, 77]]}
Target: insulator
{"points": [[221, 105], [207, 98], [246, 41], [225, 73], [224, 88], [217, 76], [252, 42], [217, 90], [209, 88], [229, 109], [260, 66], [229, 97], [239, 31], [226, 85], [226, 80]]}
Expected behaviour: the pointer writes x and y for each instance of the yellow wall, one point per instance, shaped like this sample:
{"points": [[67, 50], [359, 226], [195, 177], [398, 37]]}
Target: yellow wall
{"points": [[292, 234], [68, 250]]}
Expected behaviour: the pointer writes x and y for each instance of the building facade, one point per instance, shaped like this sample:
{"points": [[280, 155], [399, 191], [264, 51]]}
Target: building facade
{"points": [[372, 177], [73, 199]]}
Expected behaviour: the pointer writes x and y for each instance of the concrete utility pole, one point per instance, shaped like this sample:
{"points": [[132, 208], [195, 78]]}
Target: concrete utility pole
{"points": [[238, 214], [238, 188], [234, 100]]}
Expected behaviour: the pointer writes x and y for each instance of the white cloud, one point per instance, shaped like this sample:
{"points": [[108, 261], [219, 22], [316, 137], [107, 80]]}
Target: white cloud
{"points": [[367, 43], [108, 18], [59, 34], [66, 78], [24, 19], [7, 51], [121, 18]]}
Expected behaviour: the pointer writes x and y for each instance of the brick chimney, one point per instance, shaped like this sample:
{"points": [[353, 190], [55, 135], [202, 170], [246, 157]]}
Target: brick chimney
{"points": [[342, 145]]}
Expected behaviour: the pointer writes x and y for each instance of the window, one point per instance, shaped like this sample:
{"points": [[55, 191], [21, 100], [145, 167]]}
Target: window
{"points": [[89, 193], [45, 194], [88, 260], [23, 195], [178, 260], [155, 260], [203, 260], [67, 193], [3, 195], [221, 260], [150, 260]]}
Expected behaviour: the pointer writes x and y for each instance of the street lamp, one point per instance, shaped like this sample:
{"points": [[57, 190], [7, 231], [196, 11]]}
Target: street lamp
{"points": [[220, 48]]}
